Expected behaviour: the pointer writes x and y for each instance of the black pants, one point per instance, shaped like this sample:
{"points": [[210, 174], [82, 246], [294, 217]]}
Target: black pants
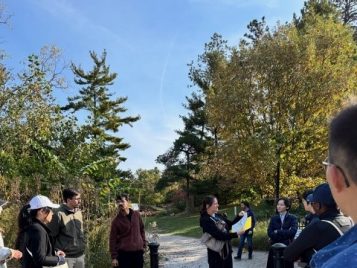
{"points": [[270, 263], [216, 261], [131, 259]]}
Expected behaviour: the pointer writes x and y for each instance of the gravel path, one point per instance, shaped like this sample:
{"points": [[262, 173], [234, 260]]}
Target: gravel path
{"points": [[185, 252]]}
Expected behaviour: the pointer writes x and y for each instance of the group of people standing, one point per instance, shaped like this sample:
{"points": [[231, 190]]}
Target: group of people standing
{"points": [[49, 234], [329, 238], [52, 235], [324, 224]]}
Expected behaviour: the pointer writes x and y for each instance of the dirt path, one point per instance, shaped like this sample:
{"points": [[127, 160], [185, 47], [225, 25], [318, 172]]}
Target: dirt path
{"points": [[184, 252]]}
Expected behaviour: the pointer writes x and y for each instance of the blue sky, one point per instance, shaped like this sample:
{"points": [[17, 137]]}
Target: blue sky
{"points": [[149, 44]]}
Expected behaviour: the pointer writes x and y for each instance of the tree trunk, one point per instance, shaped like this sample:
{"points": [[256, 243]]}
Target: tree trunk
{"points": [[189, 203], [277, 182], [189, 206]]}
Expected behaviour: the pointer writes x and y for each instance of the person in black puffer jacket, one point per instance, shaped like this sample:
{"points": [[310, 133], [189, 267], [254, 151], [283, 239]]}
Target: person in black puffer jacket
{"points": [[35, 241], [210, 222]]}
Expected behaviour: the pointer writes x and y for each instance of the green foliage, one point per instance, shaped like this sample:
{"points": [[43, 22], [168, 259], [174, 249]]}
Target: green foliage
{"points": [[44, 150], [104, 114], [270, 99], [97, 250], [28, 121], [260, 238], [143, 186], [97, 154], [184, 159], [8, 218], [313, 8]]}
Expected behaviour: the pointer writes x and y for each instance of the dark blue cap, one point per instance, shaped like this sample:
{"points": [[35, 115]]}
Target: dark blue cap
{"points": [[322, 194], [309, 198]]}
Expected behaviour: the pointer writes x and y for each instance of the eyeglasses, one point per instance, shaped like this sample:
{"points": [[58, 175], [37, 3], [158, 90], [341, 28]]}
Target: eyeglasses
{"points": [[326, 163]]}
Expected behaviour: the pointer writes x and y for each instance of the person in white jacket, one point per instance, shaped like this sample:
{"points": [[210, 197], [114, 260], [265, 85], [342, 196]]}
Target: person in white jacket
{"points": [[7, 253]]}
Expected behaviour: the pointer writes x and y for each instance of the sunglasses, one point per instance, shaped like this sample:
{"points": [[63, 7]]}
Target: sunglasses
{"points": [[326, 163]]}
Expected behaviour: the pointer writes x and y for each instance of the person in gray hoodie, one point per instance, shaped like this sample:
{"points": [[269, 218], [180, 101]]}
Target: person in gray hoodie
{"points": [[67, 228]]}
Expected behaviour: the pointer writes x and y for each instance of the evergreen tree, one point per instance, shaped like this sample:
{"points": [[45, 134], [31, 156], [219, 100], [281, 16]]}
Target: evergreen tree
{"points": [[182, 161], [313, 8], [104, 114], [347, 9]]}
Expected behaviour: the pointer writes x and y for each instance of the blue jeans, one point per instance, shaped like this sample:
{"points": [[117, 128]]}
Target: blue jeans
{"points": [[242, 239]]}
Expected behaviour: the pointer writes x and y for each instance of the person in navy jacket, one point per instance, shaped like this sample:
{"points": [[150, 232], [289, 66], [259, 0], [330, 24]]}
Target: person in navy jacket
{"points": [[248, 234], [282, 229]]}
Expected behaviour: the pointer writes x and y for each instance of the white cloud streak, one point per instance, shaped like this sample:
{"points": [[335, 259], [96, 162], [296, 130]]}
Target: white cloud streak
{"points": [[65, 11]]}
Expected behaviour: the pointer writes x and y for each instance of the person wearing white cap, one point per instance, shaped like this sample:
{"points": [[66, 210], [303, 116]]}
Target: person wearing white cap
{"points": [[38, 251]]}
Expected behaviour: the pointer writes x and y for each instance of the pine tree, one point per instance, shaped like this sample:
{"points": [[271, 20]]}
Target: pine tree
{"points": [[104, 114], [182, 161]]}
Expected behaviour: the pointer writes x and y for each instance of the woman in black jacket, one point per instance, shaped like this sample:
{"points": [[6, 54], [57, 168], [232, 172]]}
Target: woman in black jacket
{"points": [[35, 243], [211, 223], [282, 229]]}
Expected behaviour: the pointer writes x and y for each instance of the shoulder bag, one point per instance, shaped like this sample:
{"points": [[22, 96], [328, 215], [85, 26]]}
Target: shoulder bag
{"points": [[215, 244], [212, 243]]}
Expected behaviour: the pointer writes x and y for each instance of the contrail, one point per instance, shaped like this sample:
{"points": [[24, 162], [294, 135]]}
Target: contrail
{"points": [[163, 73]]}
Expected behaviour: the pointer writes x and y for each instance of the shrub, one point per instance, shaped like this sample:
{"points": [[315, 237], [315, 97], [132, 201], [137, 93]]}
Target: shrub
{"points": [[97, 249], [9, 224]]}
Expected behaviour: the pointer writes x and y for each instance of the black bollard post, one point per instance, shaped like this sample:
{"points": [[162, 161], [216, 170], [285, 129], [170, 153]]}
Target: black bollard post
{"points": [[154, 254], [278, 254]]}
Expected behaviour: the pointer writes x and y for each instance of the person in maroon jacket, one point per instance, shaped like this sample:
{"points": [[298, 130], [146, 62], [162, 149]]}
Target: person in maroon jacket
{"points": [[127, 236]]}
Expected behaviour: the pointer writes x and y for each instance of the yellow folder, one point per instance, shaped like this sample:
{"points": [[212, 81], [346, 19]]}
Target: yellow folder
{"points": [[248, 223]]}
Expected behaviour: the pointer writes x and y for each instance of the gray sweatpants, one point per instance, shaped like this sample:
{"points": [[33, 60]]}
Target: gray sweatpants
{"points": [[75, 262]]}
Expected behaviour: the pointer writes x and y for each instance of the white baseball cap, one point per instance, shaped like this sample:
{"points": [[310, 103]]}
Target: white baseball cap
{"points": [[41, 201]]}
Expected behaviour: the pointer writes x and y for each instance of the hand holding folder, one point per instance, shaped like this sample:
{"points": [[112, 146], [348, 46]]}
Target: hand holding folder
{"points": [[243, 224]]}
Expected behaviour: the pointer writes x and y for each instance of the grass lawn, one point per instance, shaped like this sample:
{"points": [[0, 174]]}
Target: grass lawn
{"points": [[181, 224]]}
